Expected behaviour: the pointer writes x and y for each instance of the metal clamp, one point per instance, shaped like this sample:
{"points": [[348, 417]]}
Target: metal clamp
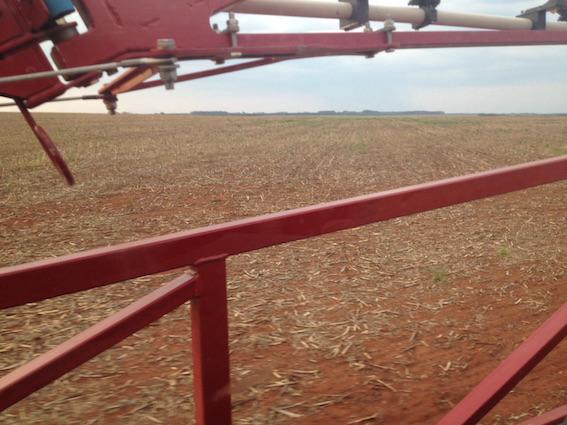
{"points": [[110, 68], [430, 9], [232, 28], [167, 72], [389, 28], [360, 15], [538, 15]]}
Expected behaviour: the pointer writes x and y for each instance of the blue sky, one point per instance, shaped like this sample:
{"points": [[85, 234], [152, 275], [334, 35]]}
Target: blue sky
{"points": [[513, 79]]}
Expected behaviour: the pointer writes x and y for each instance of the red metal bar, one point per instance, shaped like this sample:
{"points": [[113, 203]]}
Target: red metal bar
{"points": [[319, 44], [30, 37], [442, 39], [329, 44], [47, 144], [77, 272], [204, 45], [512, 370], [553, 417], [59, 89], [55, 363], [209, 73], [211, 368], [129, 80]]}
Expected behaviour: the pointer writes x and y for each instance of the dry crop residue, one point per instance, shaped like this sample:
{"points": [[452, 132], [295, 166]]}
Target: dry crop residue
{"points": [[390, 323]]}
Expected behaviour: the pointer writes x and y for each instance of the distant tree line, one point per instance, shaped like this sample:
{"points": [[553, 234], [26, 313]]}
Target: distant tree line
{"points": [[365, 112]]}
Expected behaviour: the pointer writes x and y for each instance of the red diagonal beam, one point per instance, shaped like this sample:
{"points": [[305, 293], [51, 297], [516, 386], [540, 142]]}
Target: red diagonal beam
{"points": [[208, 73], [512, 370], [130, 79], [55, 363], [553, 417], [47, 144], [50, 278]]}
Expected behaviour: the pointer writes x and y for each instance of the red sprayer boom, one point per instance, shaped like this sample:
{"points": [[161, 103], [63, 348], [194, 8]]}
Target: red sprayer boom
{"points": [[146, 38]]}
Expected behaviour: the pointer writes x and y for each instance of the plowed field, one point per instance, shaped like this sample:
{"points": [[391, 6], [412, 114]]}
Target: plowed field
{"points": [[392, 323]]}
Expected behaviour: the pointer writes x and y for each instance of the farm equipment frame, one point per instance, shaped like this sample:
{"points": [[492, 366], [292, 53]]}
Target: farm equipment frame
{"points": [[206, 251], [149, 39]]}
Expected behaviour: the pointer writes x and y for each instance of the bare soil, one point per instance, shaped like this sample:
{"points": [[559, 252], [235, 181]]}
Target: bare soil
{"points": [[392, 323]]}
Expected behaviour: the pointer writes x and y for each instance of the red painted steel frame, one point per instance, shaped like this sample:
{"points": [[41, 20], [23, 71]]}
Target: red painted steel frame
{"points": [[78, 272], [553, 417], [116, 32], [211, 367], [46, 143], [206, 250], [285, 46], [511, 371], [55, 363]]}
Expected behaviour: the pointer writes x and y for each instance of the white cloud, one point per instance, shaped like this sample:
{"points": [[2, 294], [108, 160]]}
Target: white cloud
{"points": [[543, 97], [511, 79]]}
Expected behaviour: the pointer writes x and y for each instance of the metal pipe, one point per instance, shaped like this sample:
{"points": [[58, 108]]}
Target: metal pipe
{"points": [[61, 99], [409, 15], [210, 73], [86, 69]]}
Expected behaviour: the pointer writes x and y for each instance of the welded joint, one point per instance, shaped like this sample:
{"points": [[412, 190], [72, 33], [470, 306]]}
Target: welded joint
{"points": [[429, 8], [206, 260], [201, 263]]}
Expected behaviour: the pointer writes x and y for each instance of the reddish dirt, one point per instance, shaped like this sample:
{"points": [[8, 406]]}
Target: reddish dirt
{"points": [[392, 323]]}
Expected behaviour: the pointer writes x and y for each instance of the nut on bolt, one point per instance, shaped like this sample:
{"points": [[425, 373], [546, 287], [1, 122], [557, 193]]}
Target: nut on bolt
{"points": [[168, 72]]}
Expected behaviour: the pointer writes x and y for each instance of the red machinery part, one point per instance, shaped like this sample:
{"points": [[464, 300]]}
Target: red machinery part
{"points": [[118, 30], [206, 250], [553, 417], [86, 345], [78, 272], [180, 30], [47, 144], [209, 332], [506, 376]]}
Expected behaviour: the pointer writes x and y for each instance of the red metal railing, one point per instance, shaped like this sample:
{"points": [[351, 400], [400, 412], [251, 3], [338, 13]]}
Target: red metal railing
{"points": [[206, 250]]}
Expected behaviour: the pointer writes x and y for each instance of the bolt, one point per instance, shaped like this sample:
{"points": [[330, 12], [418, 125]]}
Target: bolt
{"points": [[232, 23], [166, 44], [111, 104], [167, 73]]}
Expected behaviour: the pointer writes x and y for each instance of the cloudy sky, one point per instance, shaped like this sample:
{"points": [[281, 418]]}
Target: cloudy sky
{"points": [[512, 79]]}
